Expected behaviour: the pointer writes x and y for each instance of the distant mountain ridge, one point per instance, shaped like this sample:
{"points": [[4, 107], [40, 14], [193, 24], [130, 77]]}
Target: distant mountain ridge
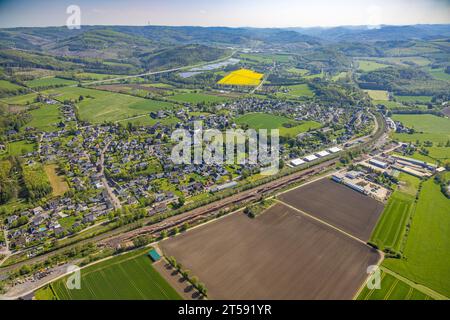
{"points": [[381, 33]]}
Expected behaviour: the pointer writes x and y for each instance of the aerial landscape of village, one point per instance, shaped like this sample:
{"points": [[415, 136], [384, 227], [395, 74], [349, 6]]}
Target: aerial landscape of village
{"points": [[188, 158]]}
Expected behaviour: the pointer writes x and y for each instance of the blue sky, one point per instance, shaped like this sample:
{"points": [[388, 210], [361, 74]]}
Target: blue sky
{"points": [[233, 13]]}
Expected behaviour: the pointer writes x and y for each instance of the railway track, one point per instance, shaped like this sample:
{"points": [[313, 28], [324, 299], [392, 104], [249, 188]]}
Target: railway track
{"points": [[213, 208]]}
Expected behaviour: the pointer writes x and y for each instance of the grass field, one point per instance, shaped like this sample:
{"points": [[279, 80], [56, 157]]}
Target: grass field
{"points": [[18, 148], [378, 95], [367, 66], [126, 277], [269, 121], [301, 90], [21, 100], [339, 76], [439, 74], [49, 82], [45, 118], [242, 77], [427, 250], [413, 99], [428, 127], [7, 86], [298, 71], [391, 228], [146, 120], [197, 98], [58, 183], [392, 288], [99, 106]]}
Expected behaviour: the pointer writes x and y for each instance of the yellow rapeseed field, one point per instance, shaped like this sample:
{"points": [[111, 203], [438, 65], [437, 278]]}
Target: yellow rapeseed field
{"points": [[242, 77]]}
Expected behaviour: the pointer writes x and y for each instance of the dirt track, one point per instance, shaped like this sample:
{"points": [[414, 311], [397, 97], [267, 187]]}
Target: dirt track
{"points": [[281, 254], [337, 205]]}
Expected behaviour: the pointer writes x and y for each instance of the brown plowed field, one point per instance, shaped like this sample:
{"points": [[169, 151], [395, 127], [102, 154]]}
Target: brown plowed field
{"points": [[281, 254], [337, 205]]}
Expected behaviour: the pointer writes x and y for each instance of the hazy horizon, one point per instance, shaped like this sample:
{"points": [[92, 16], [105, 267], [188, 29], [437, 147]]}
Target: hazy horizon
{"points": [[227, 13]]}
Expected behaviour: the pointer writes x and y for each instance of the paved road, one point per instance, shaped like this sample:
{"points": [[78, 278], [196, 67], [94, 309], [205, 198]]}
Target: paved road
{"points": [[148, 73], [112, 197]]}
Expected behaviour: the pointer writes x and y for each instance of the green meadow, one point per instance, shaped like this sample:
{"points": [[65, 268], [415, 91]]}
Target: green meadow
{"points": [[99, 106], [197, 98], [21, 100], [413, 99], [126, 277], [428, 128], [426, 253], [390, 229], [367, 65], [45, 118], [378, 95], [49, 82], [287, 127], [392, 288]]}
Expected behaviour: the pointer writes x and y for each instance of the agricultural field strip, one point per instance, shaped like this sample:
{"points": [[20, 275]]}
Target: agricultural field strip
{"points": [[157, 72], [418, 287], [83, 267]]}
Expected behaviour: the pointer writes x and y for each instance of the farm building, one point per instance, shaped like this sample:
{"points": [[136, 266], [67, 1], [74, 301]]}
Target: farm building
{"points": [[378, 163], [297, 162], [310, 158], [334, 150], [322, 154]]}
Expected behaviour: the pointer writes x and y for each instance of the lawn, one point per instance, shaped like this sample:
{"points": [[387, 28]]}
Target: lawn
{"points": [[367, 66], [391, 228], [413, 99], [49, 82], [197, 98], [99, 106], [427, 251], [428, 127], [58, 183], [242, 77], [126, 277], [45, 118], [392, 288], [269, 121], [378, 95]]}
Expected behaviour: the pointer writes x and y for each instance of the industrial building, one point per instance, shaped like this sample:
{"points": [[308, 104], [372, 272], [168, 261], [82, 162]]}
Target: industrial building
{"points": [[378, 163], [334, 149], [297, 162], [322, 154], [310, 158]]}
